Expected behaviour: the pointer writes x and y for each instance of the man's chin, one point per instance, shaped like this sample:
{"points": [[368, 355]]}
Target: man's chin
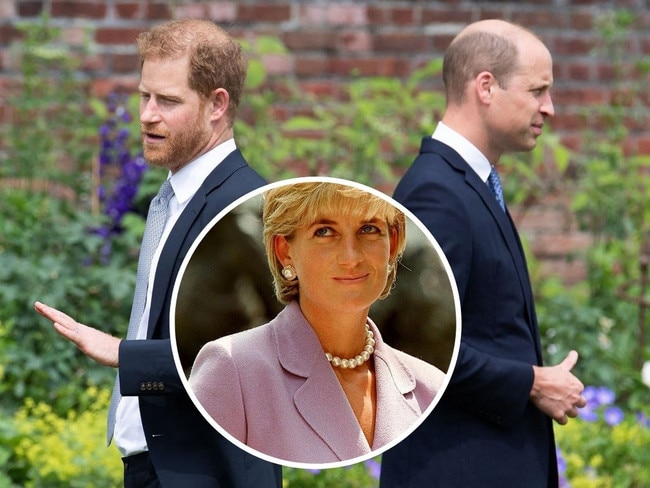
{"points": [[156, 158]]}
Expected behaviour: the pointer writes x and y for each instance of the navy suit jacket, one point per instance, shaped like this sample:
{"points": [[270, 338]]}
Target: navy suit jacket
{"points": [[484, 432], [184, 448]]}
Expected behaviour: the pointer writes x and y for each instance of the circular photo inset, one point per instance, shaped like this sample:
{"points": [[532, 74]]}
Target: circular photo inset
{"points": [[315, 322]]}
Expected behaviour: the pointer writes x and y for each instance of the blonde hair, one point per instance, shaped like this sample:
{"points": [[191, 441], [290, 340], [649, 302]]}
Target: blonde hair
{"points": [[291, 207]]}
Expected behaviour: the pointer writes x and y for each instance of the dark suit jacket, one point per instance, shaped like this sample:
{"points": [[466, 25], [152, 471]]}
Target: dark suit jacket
{"points": [[484, 432], [184, 448]]}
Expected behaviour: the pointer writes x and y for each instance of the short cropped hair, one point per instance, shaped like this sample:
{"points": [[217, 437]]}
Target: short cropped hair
{"points": [[472, 53]]}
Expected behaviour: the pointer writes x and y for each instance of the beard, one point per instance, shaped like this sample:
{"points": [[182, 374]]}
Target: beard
{"points": [[178, 148]]}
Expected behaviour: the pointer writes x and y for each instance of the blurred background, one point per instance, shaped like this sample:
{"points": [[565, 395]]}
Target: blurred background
{"points": [[343, 89]]}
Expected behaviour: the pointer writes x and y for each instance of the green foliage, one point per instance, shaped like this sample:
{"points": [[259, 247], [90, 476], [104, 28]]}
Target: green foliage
{"points": [[50, 246], [611, 203], [537, 173], [54, 450], [599, 455], [48, 253], [572, 320], [368, 133], [604, 319], [611, 200], [8, 442], [360, 475], [51, 128], [256, 49], [257, 133]]}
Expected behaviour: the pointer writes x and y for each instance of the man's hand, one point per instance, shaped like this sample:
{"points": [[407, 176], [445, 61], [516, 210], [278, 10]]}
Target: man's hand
{"points": [[556, 391], [94, 343]]}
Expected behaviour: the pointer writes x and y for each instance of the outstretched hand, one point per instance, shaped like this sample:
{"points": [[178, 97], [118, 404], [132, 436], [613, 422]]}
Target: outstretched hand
{"points": [[94, 343], [556, 391]]}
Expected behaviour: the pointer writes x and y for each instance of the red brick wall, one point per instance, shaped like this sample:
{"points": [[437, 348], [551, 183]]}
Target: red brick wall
{"points": [[326, 40]]}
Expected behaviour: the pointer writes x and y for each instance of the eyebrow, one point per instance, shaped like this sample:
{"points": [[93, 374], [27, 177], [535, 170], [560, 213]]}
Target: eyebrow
{"points": [[164, 96], [327, 221]]}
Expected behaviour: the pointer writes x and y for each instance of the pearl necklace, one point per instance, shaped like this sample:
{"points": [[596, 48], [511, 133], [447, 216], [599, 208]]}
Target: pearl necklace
{"points": [[358, 360]]}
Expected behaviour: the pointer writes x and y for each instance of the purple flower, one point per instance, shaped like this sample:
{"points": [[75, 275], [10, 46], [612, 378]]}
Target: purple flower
{"points": [[561, 463], [120, 169], [605, 396], [590, 393], [111, 102], [643, 419], [588, 414], [598, 396], [123, 114], [373, 467], [561, 469], [613, 415]]}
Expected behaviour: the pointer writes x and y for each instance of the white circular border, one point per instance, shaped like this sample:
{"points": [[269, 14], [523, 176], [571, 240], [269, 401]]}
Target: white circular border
{"points": [[188, 257]]}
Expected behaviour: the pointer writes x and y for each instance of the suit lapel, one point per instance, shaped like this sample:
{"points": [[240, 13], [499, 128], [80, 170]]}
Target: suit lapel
{"points": [[338, 429], [506, 228], [394, 384], [530, 300], [167, 265], [182, 236], [301, 354]]}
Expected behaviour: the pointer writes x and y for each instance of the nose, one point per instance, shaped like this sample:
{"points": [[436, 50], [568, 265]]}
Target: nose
{"points": [[148, 110], [350, 252], [547, 106]]}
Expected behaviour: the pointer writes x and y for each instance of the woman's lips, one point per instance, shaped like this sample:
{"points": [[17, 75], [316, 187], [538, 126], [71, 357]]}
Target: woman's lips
{"points": [[351, 279]]}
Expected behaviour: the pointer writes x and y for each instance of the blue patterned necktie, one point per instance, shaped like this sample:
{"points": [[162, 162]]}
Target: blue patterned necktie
{"points": [[495, 185], [156, 219]]}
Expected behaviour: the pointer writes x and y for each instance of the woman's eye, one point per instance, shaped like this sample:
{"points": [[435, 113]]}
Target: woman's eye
{"points": [[323, 232], [370, 229]]}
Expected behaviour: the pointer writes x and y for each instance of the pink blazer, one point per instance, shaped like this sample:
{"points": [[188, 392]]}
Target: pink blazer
{"points": [[272, 388]]}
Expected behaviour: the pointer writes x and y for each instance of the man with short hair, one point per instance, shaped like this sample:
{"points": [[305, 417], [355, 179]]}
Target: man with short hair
{"points": [[493, 425], [192, 79]]}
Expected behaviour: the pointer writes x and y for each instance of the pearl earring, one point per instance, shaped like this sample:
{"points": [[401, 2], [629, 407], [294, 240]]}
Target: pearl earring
{"points": [[390, 267], [289, 273]]}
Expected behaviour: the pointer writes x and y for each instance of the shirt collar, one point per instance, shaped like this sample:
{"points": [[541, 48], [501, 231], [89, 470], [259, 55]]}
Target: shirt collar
{"points": [[190, 177], [468, 151]]}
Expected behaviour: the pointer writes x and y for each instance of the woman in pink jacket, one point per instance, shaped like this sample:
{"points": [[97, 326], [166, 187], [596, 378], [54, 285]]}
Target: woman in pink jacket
{"points": [[317, 384]]}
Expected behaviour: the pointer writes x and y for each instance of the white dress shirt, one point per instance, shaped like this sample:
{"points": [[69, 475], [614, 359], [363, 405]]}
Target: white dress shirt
{"points": [[129, 433], [468, 151]]}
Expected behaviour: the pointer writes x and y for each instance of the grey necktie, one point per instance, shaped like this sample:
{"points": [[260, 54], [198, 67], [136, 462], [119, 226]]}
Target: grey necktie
{"points": [[156, 219], [495, 185]]}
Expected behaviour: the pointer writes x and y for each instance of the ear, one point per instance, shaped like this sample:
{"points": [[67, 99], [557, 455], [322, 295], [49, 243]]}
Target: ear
{"points": [[485, 84], [220, 99], [282, 249]]}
